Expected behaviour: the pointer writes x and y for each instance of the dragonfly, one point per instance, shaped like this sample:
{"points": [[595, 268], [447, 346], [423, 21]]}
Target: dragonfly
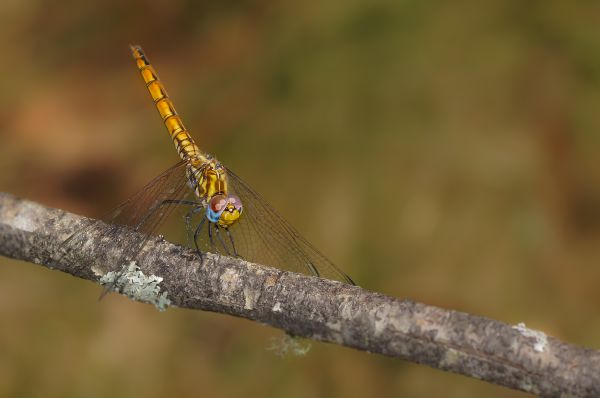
{"points": [[223, 213]]}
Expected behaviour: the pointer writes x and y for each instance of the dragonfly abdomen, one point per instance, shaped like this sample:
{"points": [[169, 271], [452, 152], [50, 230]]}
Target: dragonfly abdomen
{"points": [[186, 148]]}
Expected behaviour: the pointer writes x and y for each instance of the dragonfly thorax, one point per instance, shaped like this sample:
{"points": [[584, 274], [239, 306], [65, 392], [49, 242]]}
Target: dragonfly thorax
{"points": [[208, 179]]}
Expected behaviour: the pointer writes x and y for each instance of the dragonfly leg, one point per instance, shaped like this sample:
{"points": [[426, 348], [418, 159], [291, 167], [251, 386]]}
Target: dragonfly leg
{"points": [[188, 224], [218, 233], [235, 253], [196, 233], [210, 237]]}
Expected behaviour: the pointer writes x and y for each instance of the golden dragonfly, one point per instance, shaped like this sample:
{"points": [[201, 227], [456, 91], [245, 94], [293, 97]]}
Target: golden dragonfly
{"points": [[223, 213]]}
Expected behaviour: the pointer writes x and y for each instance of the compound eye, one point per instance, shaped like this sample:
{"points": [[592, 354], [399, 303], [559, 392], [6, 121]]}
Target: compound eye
{"points": [[218, 203], [236, 202]]}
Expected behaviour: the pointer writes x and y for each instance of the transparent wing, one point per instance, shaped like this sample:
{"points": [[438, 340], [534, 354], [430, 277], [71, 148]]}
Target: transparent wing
{"points": [[144, 212], [263, 236]]}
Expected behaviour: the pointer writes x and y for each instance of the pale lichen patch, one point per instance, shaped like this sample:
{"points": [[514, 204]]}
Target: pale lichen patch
{"points": [[346, 310], [384, 317], [133, 283], [229, 280], [25, 219], [380, 323], [250, 298], [530, 387], [334, 326], [400, 321], [451, 358], [336, 334], [276, 307], [541, 340], [289, 344], [97, 271]]}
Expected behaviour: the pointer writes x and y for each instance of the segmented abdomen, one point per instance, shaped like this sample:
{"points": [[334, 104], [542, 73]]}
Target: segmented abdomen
{"points": [[184, 143]]}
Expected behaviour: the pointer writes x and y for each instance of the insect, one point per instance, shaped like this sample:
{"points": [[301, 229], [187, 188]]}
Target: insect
{"points": [[222, 213]]}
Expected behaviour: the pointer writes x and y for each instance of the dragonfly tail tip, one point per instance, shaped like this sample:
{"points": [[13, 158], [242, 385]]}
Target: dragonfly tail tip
{"points": [[135, 49]]}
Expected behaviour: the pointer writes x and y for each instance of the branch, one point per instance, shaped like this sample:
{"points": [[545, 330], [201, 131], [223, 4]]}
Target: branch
{"points": [[314, 308]]}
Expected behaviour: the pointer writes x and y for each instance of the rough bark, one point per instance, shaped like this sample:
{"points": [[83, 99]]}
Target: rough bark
{"points": [[509, 355]]}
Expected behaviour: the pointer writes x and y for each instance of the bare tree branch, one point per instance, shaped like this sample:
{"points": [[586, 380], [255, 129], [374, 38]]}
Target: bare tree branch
{"points": [[508, 355]]}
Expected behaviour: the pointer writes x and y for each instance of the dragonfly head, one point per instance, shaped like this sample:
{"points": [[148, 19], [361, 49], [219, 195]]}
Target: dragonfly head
{"points": [[224, 210]]}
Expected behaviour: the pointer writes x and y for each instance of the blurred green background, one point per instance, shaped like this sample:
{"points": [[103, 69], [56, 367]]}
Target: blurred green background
{"points": [[441, 151]]}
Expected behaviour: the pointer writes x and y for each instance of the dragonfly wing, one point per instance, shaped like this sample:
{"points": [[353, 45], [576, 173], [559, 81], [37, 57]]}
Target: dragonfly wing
{"points": [[262, 235], [143, 212]]}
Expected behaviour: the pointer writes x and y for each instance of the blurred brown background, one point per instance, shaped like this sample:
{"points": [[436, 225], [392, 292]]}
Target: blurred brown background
{"points": [[456, 147]]}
